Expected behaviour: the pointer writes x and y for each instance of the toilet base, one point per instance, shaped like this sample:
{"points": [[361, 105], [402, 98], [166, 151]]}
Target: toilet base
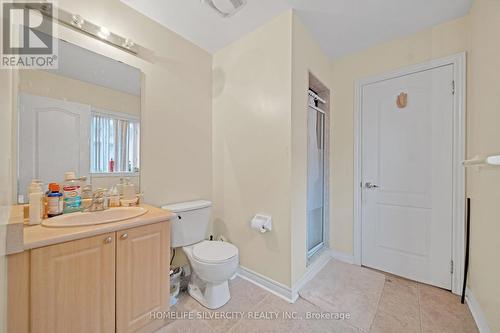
{"points": [[211, 295]]}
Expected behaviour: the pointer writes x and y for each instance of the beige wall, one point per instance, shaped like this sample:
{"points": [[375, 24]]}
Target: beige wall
{"points": [[260, 143], [306, 57], [443, 40], [251, 145], [6, 180], [42, 83], [483, 137], [176, 159]]}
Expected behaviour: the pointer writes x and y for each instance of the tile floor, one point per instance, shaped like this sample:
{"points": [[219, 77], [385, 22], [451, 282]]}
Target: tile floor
{"points": [[402, 306]]}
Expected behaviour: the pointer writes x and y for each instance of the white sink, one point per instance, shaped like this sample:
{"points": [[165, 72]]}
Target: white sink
{"points": [[91, 218]]}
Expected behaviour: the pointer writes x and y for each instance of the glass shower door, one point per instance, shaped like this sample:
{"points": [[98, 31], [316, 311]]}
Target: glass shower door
{"points": [[315, 180]]}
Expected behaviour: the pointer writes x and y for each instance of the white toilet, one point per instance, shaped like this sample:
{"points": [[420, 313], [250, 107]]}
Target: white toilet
{"points": [[213, 263]]}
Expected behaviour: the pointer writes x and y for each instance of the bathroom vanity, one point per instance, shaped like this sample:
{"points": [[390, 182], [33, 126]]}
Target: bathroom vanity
{"points": [[79, 129], [98, 278]]}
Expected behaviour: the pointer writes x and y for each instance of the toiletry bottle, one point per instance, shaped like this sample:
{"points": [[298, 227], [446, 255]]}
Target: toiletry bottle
{"points": [[119, 186], [71, 193], [54, 200], [114, 197], [129, 190], [86, 196], [111, 165], [129, 197], [36, 206], [35, 186]]}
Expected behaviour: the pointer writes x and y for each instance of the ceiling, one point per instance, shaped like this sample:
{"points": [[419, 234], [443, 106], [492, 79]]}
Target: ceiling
{"points": [[341, 27]]}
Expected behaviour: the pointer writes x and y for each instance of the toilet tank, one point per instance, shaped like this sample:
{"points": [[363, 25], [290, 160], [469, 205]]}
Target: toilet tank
{"points": [[191, 224]]}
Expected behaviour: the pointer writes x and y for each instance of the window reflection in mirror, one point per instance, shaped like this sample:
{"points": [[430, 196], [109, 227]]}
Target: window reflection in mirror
{"points": [[82, 117], [114, 143]]}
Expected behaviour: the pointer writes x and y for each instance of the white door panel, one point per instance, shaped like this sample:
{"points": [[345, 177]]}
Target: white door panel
{"points": [[53, 139], [407, 152]]}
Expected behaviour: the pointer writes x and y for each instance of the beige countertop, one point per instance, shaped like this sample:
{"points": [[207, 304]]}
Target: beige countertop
{"points": [[39, 236]]}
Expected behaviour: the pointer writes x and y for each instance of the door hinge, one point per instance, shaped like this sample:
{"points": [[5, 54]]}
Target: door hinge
{"points": [[453, 87], [451, 267]]}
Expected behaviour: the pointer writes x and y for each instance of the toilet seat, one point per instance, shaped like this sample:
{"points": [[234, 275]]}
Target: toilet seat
{"points": [[214, 251]]}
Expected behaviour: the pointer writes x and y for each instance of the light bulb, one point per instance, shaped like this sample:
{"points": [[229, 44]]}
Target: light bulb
{"points": [[128, 43], [77, 21], [103, 33]]}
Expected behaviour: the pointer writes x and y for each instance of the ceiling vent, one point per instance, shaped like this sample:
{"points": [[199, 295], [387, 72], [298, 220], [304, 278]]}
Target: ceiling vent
{"points": [[226, 8]]}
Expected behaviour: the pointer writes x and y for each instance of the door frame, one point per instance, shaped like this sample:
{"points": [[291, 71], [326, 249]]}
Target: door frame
{"points": [[459, 132]]}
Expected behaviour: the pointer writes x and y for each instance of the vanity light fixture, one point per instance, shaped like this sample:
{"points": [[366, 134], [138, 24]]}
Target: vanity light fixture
{"points": [[77, 22]]}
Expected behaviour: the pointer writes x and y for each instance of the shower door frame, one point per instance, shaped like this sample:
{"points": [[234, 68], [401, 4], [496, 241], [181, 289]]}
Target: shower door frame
{"points": [[319, 248]]}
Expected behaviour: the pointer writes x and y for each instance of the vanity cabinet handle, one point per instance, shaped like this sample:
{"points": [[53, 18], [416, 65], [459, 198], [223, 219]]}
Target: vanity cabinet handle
{"points": [[108, 240], [124, 236]]}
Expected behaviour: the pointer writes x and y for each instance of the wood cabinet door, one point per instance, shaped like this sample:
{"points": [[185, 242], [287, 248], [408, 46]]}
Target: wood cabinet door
{"points": [[73, 286], [142, 278]]}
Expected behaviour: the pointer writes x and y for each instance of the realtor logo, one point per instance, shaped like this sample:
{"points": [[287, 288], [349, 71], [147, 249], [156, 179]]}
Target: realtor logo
{"points": [[27, 35]]}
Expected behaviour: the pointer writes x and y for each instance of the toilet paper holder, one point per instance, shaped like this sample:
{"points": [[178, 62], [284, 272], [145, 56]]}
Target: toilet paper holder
{"points": [[262, 223]]}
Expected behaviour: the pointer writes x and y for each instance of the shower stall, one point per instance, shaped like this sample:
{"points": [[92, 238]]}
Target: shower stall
{"points": [[316, 174]]}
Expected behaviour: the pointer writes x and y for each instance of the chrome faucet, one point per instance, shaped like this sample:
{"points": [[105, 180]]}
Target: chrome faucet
{"points": [[98, 201]]}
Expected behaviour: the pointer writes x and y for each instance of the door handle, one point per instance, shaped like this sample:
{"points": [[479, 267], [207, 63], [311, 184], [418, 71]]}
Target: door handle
{"points": [[108, 240], [371, 185], [124, 236]]}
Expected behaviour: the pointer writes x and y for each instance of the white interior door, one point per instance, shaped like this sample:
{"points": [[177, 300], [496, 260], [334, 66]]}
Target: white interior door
{"points": [[53, 138], [407, 156]]}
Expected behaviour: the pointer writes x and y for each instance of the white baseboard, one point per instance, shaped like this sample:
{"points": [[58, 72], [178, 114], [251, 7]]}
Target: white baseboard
{"points": [[314, 268], [266, 283], [279, 289], [476, 311], [341, 256]]}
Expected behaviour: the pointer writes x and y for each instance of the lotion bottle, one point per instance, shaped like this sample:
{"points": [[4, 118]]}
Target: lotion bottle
{"points": [[36, 206]]}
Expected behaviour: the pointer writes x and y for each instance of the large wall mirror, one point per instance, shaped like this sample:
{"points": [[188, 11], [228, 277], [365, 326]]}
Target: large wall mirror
{"points": [[83, 117]]}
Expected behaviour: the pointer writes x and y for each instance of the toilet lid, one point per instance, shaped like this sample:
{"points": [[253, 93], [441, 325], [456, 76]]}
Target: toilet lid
{"points": [[214, 251]]}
